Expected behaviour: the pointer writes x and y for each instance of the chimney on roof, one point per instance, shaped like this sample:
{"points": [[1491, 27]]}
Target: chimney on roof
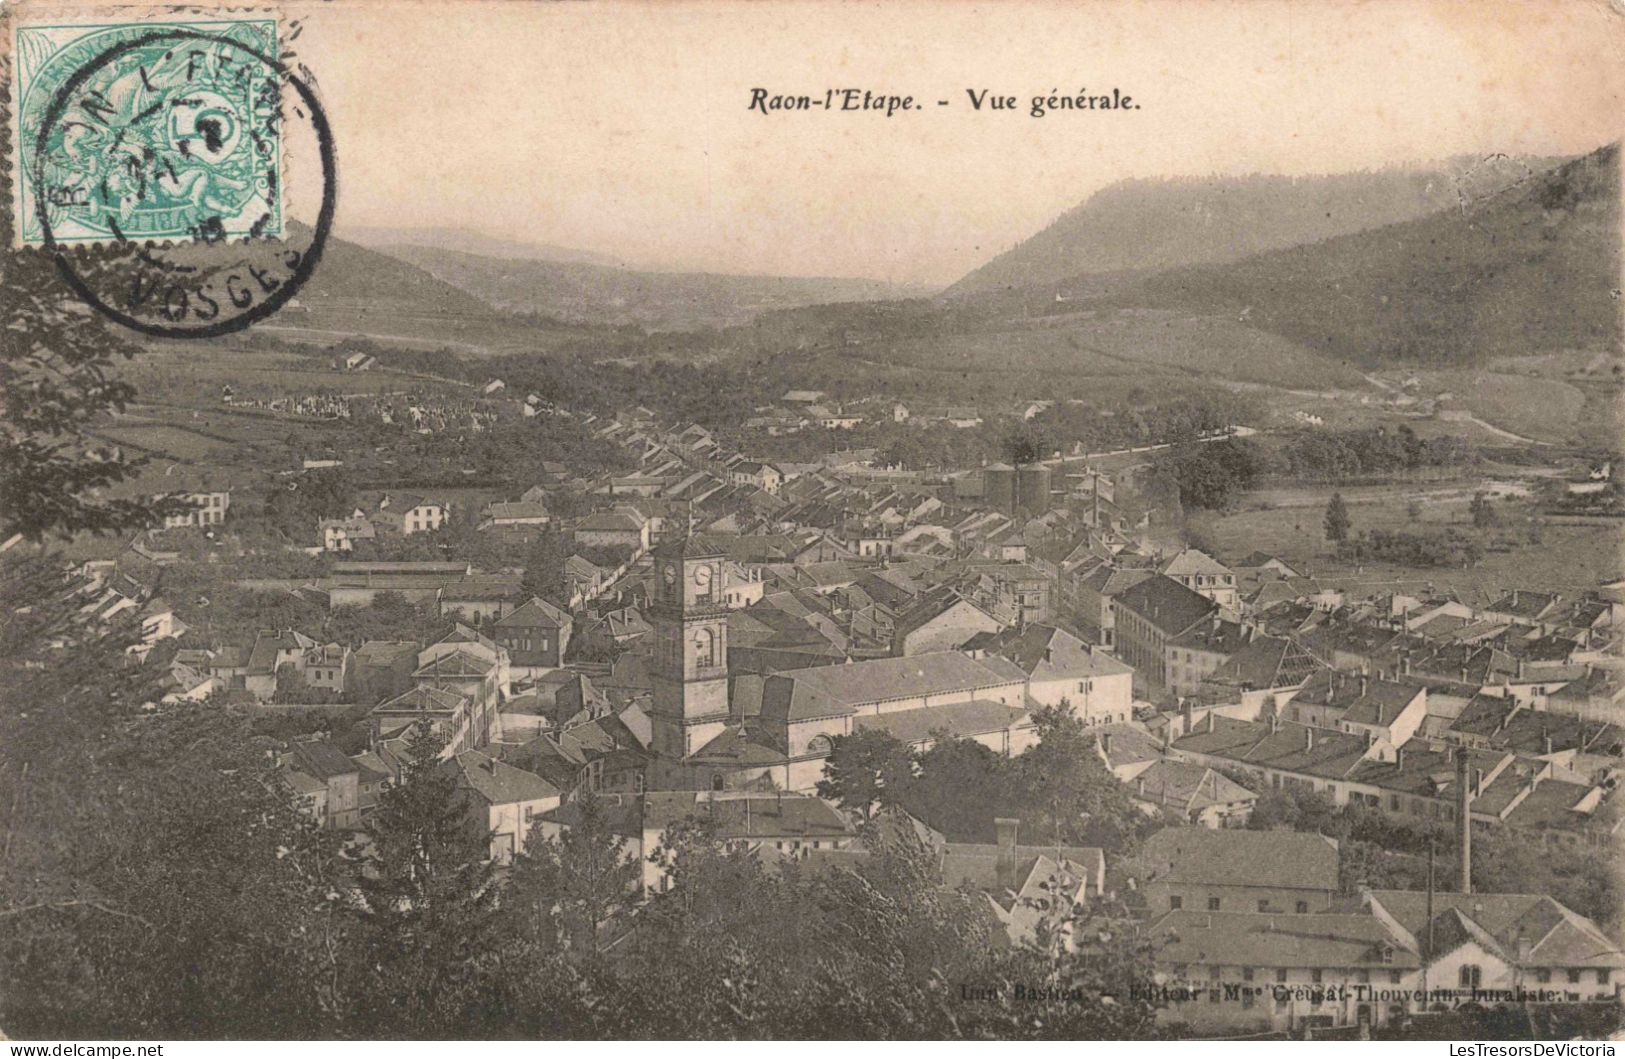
{"points": [[1275, 721], [1106, 743], [1546, 739], [1523, 666], [1365, 685], [1185, 714], [1405, 663], [1399, 759], [1308, 738], [1464, 674]]}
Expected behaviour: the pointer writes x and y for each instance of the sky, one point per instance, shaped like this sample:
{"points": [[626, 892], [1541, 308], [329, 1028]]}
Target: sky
{"points": [[623, 128]]}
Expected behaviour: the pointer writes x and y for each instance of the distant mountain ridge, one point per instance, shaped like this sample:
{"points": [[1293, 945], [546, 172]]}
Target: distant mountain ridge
{"points": [[585, 293], [1150, 225], [1533, 268], [466, 241]]}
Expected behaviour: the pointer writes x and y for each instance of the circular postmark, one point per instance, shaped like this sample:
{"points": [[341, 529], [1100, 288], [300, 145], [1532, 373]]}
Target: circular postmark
{"points": [[157, 178]]}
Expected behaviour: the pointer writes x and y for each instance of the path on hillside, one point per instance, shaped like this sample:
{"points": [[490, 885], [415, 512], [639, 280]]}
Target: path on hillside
{"points": [[1498, 432], [1230, 432]]}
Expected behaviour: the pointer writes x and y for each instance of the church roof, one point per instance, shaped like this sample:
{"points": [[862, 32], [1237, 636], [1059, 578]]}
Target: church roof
{"points": [[698, 546]]}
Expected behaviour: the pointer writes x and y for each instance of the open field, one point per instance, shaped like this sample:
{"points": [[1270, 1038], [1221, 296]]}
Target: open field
{"points": [[1569, 559], [193, 374], [1129, 342]]}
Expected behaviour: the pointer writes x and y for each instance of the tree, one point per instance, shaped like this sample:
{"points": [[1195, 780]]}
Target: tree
{"points": [[564, 890], [426, 906], [1482, 511], [59, 365], [1337, 519], [865, 769], [155, 877], [1413, 510], [1066, 793], [961, 786]]}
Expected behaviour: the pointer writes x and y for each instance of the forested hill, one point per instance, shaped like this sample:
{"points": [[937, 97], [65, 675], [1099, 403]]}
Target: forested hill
{"points": [[585, 293], [1534, 268], [1159, 224]]}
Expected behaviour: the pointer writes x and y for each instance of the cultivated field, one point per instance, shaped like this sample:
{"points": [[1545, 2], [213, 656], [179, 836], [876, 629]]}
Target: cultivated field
{"points": [[1569, 559]]}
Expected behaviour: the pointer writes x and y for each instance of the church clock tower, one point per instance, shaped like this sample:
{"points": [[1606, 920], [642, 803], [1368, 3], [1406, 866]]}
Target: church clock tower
{"points": [[690, 665]]}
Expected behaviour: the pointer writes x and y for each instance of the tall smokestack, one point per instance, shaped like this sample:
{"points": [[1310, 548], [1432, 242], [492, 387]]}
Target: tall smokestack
{"points": [[1464, 821]]}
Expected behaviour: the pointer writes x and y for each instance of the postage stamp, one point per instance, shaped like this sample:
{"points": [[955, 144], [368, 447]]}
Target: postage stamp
{"points": [[150, 160], [154, 130]]}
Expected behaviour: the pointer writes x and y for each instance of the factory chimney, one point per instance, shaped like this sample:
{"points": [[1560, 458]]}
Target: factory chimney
{"points": [[1464, 820]]}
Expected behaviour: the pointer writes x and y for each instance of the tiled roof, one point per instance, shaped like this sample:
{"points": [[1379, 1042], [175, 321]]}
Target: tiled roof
{"points": [[1191, 562], [1558, 936], [498, 782], [536, 613], [1266, 662], [1284, 859], [1166, 603], [422, 699], [963, 720], [832, 691], [1260, 939], [1044, 652], [1187, 787]]}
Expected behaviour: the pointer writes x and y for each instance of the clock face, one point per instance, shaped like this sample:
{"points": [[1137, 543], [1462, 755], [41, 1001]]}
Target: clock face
{"points": [[702, 575], [670, 575]]}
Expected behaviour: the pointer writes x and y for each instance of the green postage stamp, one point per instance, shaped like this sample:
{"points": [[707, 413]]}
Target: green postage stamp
{"points": [[156, 130]]}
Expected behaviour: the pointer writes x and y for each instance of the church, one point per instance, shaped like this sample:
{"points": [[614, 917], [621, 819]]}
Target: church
{"points": [[715, 731]]}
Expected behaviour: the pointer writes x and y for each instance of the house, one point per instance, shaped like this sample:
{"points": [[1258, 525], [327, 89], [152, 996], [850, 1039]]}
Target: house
{"points": [[514, 513], [939, 620], [327, 667], [326, 783], [210, 501], [1202, 573], [1060, 668], [272, 651], [1093, 590], [600, 753], [1200, 651], [494, 386], [501, 800], [1198, 869], [1391, 710], [1192, 794], [1254, 973], [621, 528], [342, 534], [406, 515], [446, 712], [1508, 942], [481, 597], [763, 476], [381, 669], [1148, 617], [536, 634]]}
